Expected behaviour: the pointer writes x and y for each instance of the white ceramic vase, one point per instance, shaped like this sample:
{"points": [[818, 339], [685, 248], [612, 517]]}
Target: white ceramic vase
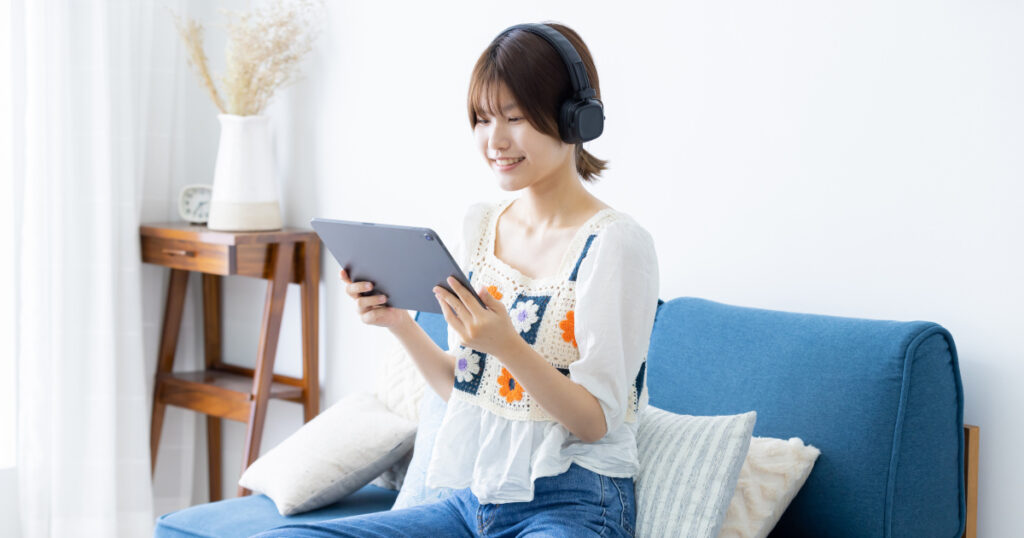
{"points": [[245, 192]]}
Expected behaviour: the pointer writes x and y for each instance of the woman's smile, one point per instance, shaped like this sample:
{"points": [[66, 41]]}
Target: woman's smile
{"points": [[505, 165]]}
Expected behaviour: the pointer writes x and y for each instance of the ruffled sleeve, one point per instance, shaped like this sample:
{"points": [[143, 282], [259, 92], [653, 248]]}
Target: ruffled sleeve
{"points": [[616, 300]]}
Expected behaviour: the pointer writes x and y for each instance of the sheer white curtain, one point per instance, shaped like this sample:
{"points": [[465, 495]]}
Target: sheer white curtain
{"points": [[83, 142]]}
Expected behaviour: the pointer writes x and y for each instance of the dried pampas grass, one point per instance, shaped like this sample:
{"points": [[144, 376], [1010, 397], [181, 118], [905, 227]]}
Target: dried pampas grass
{"points": [[265, 47], [192, 32]]}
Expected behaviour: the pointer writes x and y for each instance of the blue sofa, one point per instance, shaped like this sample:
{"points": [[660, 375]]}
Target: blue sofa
{"points": [[881, 399]]}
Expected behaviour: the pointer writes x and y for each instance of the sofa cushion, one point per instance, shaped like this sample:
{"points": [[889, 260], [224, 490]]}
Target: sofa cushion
{"points": [[339, 451], [400, 386], [245, 516], [882, 400], [688, 471], [772, 474]]}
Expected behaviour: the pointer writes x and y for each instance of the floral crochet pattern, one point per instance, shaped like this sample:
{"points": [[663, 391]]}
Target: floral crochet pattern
{"points": [[524, 315], [467, 366], [470, 368], [542, 311], [568, 326], [510, 389]]}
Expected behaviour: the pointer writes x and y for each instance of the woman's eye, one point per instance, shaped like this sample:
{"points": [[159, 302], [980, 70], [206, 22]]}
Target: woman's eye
{"points": [[514, 119], [481, 120]]}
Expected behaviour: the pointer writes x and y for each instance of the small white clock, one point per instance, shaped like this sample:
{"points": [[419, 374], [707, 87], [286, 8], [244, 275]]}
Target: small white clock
{"points": [[194, 203]]}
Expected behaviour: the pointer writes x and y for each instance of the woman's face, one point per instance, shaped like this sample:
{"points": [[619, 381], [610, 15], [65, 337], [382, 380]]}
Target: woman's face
{"points": [[519, 154]]}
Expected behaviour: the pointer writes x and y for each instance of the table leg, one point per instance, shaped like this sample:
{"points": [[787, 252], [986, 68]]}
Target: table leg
{"points": [[310, 326], [213, 451], [269, 331], [211, 320], [165, 361], [212, 355]]}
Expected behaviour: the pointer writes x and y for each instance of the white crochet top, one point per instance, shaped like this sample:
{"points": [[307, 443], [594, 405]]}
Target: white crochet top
{"points": [[591, 320]]}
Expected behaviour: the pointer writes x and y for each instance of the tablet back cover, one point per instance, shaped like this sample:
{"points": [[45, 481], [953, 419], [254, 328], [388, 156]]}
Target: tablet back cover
{"points": [[403, 262]]}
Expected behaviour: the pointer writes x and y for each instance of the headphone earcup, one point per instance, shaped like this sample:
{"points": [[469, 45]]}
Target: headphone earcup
{"points": [[567, 122], [589, 119], [580, 121]]}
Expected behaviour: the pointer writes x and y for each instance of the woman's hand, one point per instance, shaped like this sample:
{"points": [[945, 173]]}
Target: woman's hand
{"points": [[489, 330], [371, 307]]}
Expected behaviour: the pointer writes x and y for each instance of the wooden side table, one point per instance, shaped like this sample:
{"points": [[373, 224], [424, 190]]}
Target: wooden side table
{"points": [[224, 390]]}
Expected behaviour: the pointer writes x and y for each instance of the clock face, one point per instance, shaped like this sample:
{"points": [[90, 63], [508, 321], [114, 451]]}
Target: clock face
{"points": [[194, 203]]}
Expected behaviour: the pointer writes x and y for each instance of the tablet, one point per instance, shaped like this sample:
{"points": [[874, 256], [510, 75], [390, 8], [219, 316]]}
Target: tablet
{"points": [[403, 262]]}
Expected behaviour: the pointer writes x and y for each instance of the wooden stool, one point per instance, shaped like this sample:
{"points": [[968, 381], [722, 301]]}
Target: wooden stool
{"points": [[224, 390]]}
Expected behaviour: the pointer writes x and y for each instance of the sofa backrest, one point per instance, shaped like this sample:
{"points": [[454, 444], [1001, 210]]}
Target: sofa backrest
{"points": [[882, 400]]}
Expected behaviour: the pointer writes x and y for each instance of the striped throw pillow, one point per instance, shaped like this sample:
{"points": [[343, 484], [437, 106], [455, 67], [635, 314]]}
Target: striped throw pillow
{"points": [[688, 471]]}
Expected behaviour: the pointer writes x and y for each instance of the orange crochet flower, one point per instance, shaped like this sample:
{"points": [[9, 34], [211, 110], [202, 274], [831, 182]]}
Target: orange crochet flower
{"points": [[510, 389], [568, 326], [493, 290]]}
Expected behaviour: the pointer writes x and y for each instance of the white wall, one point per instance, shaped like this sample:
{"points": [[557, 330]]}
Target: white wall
{"points": [[859, 160]]}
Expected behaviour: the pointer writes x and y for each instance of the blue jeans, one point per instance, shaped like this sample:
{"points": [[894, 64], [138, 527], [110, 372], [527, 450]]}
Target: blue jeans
{"points": [[577, 502]]}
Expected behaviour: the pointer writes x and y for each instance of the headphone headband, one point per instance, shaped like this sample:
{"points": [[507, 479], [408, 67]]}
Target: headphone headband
{"points": [[577, 71]]}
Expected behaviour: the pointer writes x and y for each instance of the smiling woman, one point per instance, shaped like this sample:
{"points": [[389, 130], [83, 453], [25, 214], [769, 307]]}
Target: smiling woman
{"points": [[545, 379]]}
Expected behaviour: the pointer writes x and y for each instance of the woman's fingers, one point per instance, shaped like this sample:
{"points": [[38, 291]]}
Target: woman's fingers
{"points": [[468, 300], [355, 290], [449, 315], [370, 301], [372, 316], [453, 302], [372, 309]]}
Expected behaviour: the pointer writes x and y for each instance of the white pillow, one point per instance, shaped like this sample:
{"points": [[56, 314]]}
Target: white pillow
{"points": [[688, 471], [772, 474], [334, 454]]}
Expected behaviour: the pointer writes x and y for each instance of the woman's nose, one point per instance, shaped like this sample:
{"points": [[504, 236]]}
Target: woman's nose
{"points": [[498, 140]]}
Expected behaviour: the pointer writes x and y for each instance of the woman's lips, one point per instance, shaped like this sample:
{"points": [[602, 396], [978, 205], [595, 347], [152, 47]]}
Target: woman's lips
{"points": [[507, 164]]}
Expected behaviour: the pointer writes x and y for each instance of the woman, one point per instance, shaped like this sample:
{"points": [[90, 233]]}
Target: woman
{"points": [[544, 384]]}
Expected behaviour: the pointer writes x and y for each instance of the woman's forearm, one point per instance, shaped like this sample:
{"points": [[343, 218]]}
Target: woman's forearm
{"points": [[436, 366], [567, 401]]}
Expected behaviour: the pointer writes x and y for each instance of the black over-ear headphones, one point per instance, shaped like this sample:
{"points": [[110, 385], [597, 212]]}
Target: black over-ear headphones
{"points": [[581, 117]]}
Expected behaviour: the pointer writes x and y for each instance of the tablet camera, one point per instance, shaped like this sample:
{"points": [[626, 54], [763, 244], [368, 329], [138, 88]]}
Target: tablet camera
{"points": [[428, 237]]}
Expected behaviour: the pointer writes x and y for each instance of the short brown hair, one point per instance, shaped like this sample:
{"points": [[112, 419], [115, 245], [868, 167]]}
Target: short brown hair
{"points": [[538, 78]]}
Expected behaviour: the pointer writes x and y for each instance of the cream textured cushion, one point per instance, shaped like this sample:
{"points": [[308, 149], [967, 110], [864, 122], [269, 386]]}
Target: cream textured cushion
{"points": [[399, 382], [688, 471], [772, 474], [334, 454], [400, 387]]}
